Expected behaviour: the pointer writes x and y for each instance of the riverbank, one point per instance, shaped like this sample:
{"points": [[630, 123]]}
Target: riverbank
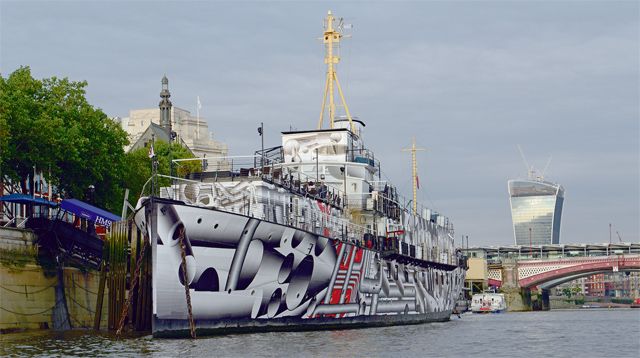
{"points": [[563, 303]]}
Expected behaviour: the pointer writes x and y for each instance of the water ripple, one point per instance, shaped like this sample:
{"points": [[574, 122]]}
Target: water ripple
{"points": [[579, 333]]}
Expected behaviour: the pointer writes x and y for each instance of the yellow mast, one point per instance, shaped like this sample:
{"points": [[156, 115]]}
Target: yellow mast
{"points": [[414, 172], [331, 38]]}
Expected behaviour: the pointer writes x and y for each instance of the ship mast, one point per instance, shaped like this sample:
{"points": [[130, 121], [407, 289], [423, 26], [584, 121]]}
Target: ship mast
{"points": [[414, 173], [331, 39]]}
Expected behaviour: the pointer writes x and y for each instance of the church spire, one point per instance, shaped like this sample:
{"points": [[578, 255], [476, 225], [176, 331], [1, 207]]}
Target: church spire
{"points": [[165, 106]]}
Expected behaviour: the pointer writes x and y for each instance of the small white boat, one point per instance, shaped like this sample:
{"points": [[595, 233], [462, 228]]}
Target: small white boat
{"points": [[590, 306], [488, 303]]}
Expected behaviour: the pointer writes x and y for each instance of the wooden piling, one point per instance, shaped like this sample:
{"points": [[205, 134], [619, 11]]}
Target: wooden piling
{"points": [[100, 298], [129, 298], [117, 271]]}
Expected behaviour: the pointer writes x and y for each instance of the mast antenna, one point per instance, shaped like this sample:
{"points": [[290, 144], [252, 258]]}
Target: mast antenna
{"points": [[331, 38], [545, 167], [414, 172], [530, 170]]}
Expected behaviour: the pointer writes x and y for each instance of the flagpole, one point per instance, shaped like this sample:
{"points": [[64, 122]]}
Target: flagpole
{"points": [[414, 171], [154, 165]]}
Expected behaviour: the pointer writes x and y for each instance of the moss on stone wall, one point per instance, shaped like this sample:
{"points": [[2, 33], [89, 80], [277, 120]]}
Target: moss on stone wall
{"points": [[18, 257]]}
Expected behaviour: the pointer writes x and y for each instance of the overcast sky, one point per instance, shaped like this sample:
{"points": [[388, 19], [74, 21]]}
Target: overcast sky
{"points": [[470, 80]]}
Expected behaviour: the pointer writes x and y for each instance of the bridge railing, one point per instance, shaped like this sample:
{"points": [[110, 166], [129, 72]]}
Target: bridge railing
{"points": [[495, 255]]}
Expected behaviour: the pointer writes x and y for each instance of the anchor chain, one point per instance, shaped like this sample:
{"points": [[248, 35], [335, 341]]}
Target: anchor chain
{"points": [[134, 282], [192, 325]]}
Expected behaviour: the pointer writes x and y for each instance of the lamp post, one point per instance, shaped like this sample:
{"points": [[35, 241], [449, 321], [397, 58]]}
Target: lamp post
{"points": [[90, 226], [261, 133], [91, 190], [530, 244]]}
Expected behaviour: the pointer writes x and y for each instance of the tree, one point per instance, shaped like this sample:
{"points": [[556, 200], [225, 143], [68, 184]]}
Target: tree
{"points": [[138, 166], [48, 124], [4, 135], [576, 290], [137, 170]]}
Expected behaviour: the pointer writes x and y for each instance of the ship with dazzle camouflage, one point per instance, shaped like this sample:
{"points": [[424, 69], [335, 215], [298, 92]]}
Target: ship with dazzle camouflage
{"points": [[305, 235]]}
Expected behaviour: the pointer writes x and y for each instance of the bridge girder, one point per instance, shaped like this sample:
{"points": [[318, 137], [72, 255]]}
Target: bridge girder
{"points": [[553, 283], [580, 268]]}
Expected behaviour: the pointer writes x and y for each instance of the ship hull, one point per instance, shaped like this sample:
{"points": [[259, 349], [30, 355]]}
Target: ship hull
{"points": [[250, 275], [176, 328]]}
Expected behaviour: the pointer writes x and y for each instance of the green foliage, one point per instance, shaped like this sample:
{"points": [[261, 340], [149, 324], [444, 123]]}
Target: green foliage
{"points": [[18, 257], [50, 125], [4, 130], [622, 300], [166, 153], [576, 290], [137, 170], [138, 166]]}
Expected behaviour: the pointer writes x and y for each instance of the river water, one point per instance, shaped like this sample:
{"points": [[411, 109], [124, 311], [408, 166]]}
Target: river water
{"points": [[557, 333]]}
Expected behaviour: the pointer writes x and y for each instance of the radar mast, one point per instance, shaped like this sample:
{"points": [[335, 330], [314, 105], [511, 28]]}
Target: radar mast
{"points": [[331, 39], [414, 173]]}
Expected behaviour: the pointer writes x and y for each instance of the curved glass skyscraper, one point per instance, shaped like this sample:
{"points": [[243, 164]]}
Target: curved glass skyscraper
{"points": [[536, 210]]}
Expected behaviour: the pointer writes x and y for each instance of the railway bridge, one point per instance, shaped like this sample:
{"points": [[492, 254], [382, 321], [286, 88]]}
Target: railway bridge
{"points": [[519, 270]]}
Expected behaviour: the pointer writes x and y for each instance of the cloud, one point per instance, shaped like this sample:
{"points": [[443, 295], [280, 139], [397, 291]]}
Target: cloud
{"points": [[470, 81]]}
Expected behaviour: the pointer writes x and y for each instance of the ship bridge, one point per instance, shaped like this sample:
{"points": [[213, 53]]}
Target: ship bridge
{"points": [[335, 157]]}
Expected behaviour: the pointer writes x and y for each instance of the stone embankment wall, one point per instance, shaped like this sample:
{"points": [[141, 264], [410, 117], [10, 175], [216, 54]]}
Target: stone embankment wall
{"points": [[32, 295], [558, 303], [16, 239]]}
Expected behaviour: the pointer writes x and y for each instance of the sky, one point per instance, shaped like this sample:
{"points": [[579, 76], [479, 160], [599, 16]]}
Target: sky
{"points": [[470, 80]]}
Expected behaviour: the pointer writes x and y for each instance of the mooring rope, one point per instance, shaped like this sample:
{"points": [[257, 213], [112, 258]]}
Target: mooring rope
{"points": [[21, 270], [27, 292], [192, 325], [75, 284], [81, 305], [33, 314], [79, 323], [134, 282]]}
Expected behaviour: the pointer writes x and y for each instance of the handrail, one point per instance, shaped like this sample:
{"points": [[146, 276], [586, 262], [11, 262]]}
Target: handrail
{"points": [[21, 224], [208, 158], [9, 222], [339, 227], [400, 200]]}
